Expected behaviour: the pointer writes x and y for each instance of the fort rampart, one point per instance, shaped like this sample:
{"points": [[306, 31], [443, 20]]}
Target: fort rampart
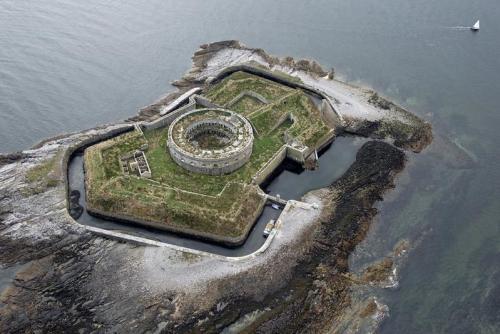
{"points": [[214, 161]]}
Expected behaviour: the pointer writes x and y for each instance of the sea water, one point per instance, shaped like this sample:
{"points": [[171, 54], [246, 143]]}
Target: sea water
{"points": [[67, 65]]}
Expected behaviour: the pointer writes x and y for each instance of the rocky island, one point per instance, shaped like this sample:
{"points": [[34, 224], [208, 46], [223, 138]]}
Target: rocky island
{"points": [[192, 164]]}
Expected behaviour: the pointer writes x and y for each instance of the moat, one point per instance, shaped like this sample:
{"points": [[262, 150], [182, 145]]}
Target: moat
{"points": [[289, 180], [161, 174]]}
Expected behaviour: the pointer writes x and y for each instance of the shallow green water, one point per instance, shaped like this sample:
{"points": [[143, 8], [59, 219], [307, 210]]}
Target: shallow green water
{"points": [[68, 65]]}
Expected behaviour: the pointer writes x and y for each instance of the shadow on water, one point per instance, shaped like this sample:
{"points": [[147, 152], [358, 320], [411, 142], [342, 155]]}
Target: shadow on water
{"points": [[289, 180]]}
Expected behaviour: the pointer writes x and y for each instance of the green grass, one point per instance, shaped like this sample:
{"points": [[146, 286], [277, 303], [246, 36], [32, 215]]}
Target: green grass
{"points": [[308, 126], [238, 82], [223, 205], [42, 176], [247, 105], [126, 143], [165, 170], [41, 172]]}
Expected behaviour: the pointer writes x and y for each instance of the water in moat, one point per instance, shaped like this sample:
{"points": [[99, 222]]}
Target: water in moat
{"points": [[70, 65], [333, 161]]}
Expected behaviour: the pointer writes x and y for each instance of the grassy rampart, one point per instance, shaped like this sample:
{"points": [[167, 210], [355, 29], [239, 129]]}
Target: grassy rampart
{"points": [[220, 208]]}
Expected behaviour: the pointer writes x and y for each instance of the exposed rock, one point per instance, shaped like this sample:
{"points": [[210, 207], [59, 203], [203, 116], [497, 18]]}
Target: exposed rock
{"points": [[370, 309], [378, 272], [414, 137], [11, 157], [75, 281], [331, 74], [319, 288], [379, 101]]}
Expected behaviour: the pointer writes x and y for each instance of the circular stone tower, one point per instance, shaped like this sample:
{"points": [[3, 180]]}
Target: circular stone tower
{"points": [[210, 141]]}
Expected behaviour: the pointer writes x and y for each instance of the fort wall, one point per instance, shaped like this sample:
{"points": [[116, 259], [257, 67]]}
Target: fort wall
{"points": [[329, 115], [249, 93], [170, 117], [211, 161], [182, 231], [272, 164], [297, 153], [167, 118]]}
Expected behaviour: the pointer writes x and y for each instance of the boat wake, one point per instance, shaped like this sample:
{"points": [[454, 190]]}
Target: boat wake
{"points": [[459, 28], [475, 27]]}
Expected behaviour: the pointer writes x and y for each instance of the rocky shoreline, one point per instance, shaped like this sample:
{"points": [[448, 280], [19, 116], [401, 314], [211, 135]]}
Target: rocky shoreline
{"points": [[73, 280], [318, 290]]}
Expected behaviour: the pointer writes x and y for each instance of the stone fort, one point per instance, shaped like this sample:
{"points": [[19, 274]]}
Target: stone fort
{"points": [[212, 141]]}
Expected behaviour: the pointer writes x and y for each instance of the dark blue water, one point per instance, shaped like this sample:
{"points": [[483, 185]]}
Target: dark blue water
{"points": [[69, 65]]}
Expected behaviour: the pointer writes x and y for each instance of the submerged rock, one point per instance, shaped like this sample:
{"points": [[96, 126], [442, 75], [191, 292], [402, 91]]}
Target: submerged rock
{"points": [[75, 209]]}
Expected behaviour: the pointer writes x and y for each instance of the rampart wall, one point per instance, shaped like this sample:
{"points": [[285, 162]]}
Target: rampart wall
{"points": [[249, 93], [170, 117], [212, 162], [298, 154], [183, 231], [329, 115], [224, 165], [203, 101], [322, 142], [267, 169]]}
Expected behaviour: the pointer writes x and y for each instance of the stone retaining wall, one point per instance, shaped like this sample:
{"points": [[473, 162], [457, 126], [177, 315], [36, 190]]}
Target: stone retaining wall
{"points": [[329, 114], [122, 236], [92, 140], [173, 113], [275, 161], [170, 117], [248, 93], [297, 154], [182, 231], [212, 162], [178, 101]]}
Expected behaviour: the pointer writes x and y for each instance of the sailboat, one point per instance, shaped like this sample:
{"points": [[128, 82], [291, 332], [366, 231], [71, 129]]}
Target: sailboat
{"points": [[475, 27]]}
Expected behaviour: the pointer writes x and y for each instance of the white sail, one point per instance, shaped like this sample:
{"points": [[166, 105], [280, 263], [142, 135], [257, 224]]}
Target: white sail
{"points": [[476, 26]]}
